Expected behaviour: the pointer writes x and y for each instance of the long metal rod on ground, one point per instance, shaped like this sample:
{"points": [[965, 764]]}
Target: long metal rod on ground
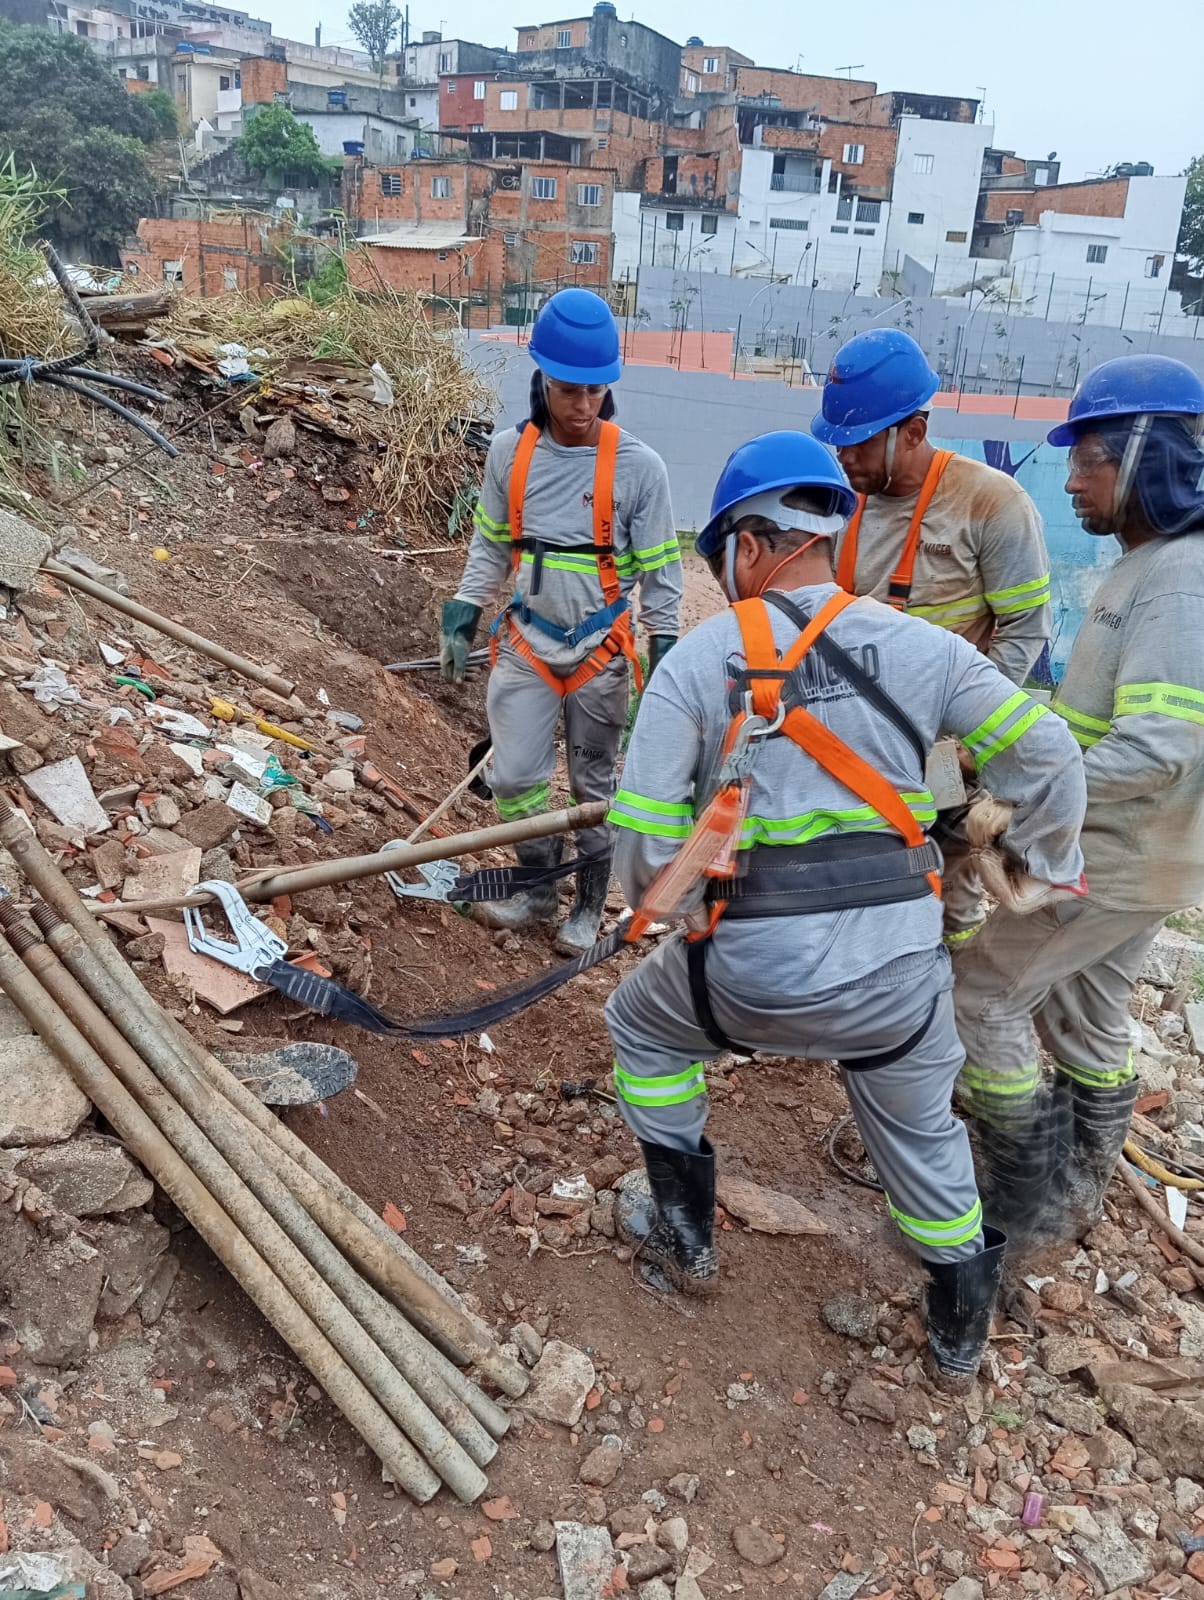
{"points": [[140, 1135], [447, 1323], [446, 804], [347, 869], [318, 1276], [173, 630]]}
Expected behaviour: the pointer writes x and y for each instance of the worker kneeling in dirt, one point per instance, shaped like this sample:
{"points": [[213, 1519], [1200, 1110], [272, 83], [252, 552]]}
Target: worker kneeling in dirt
{"points": [[827, 942], [935, 534], [576, 513], [1133, 697]]}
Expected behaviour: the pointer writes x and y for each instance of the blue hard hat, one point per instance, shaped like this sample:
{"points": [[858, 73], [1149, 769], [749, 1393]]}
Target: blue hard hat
{"points": [[576, 339], [782, 460], [879, 378], [1131, 386]]}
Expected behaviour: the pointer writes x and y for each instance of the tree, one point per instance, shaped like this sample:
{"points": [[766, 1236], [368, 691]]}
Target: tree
{"points": [[163, 118], [1191, 229], [373, 24], [276, 144], [64, 115]]}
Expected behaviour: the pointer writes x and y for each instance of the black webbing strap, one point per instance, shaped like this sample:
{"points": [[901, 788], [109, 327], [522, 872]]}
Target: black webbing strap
{"points": [[696, 974], [503, 883], [856, 675], [887, 1058]]}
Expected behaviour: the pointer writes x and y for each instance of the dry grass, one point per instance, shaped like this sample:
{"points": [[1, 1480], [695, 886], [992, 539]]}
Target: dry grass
{"points": [[425, 461]]}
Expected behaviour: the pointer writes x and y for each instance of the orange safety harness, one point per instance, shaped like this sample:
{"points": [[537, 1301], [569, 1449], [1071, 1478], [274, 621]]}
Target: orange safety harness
{"points": [[899, 588], [620, 639]]}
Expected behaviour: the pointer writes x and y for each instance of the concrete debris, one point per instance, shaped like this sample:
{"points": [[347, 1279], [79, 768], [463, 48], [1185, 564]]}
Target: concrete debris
{"points": [[601, 1467], [1171, 1430], [164, 877], [63, 788], [685, 1486], [560, 1383], [23, 548], [865, 1398], [766, 1210], [1172, 960], [528, 1341], [963, 1589], [249, 805], [209, 825], [674, 1534], [86, 1177], [12, 1024], [844, 1586], [218, 985], [295, 1074], [655, 1589], [39, 1103], [1116, 1559], [131, 1251], [587, 1561], [854, 1316]]}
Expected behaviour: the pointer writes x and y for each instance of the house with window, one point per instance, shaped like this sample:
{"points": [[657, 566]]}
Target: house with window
{"points": [[420, 66], [603, 45], [934, 197], [708, 68]]}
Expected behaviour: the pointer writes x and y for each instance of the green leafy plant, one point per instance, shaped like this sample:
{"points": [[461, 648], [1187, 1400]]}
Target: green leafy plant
{"points": [[274, 143]]}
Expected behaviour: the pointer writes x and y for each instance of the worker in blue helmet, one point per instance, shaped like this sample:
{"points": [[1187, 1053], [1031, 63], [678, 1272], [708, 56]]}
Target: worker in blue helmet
{"points": [[1133, 697], [789, 736], [936, 534], [573, 516]]}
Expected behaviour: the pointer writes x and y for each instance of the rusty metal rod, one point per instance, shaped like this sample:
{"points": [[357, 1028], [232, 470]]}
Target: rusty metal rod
{"points": [[346, 869], [352, 1316], [446, 1321], [173, 630], [176, 1173]]}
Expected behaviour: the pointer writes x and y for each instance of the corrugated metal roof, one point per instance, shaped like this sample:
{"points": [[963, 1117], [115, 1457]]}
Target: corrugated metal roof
{"points": [[422, 236]]}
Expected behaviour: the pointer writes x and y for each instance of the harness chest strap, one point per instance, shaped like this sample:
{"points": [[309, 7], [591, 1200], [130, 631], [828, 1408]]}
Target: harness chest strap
{"points": [[620, 637], [899, 586]]}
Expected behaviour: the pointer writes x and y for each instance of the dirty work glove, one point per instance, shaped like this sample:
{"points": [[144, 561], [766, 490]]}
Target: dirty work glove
{"points": [[1002, 876], [659, 646], [457, 629]]}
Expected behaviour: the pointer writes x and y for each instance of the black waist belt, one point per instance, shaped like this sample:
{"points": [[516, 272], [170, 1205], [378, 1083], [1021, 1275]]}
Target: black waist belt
{"points": [[832, 874]]}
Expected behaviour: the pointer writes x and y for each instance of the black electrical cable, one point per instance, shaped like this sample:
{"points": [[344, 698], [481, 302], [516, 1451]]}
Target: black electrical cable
{"points": [[109, 404], [834, 1133], [91, 375]]}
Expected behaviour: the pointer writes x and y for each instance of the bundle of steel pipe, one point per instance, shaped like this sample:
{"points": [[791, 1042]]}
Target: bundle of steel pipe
{"points": [[380, 1331]]}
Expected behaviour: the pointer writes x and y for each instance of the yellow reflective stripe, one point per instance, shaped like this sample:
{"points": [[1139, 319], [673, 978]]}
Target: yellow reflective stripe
{"points": [[811, 824], [1010, 735], [1165, 699], [495, 532], [1032, 602], [959, 1230], [964, 610], [961, 935], [1085, 730], [671, 1090], [571, 563], [660, 818], [985, 1081], [666, 560], [1098, 1077], [657, 555], [528, 804], [1001, 713], [662, 808], [1036, 586]]}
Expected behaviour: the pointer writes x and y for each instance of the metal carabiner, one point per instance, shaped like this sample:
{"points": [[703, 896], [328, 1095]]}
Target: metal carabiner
{"points": [[254, 947], [438, 877]]}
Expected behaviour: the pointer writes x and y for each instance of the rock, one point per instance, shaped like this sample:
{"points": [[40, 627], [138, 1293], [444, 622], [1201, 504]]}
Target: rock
{"points": [[601, 1467], [39, 1103], [128, 1554], [445, 1191], [1116, 1559], [280, 439], [542, 1536], [630, 1520], [654, 1499], [76, 1488], [854, 1316], [1110, 1451], [209, 825], [1074, 1519], [1173, 1431], [766, 1210], [647, 1561], [655, 1589], [53, 1296], [602, 1214], [964, 1589], [1073, 1411], [686, 1588], [108, 863], [865, 1398], [844, 1586], [684, 1486], [131, 1252], [1189, 1496], [756, 1545], [216, 865], [147, 948], [1193, 1014], [922, 1440], [1172, 959], [674, 1534], [605, 1172], [163, 812], [154, 1298], [1063, 1354], [530, 1345], [560, 1382], [12, 1024], [587, 1561], [87, 1177], [1062, 1296], [23, 548]]}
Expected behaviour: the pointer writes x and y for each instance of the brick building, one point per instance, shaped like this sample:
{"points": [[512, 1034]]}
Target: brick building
{"points": [[206, 258], [709, 69]]}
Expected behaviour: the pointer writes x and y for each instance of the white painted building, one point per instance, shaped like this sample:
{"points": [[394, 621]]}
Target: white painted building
{"points": [[934, 198]]}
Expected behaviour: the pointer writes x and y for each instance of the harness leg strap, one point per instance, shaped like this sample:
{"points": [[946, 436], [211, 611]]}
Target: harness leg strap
{"points": [[887, 1058], [696, 973]]}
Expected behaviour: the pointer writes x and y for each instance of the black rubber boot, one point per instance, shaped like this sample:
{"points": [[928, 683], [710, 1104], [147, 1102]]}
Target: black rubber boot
{"points": [[961, 1300], [531, 906], [580, 929], [1101, 1126], [668, 1214], [1021, 1166]]}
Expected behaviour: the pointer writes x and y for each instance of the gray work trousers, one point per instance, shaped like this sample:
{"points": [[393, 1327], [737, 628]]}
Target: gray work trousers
{"points": [[1065, 973], [523, 716], [902, 1110], [962, 900]]}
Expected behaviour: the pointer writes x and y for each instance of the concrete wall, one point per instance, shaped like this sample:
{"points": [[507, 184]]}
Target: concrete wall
{"points": [[384, 140], [946, 197], [694, 420]]}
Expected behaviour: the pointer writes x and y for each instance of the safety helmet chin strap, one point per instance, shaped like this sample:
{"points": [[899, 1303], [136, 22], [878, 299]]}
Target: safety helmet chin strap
{"points": [[892, 439], [1129, 463]]}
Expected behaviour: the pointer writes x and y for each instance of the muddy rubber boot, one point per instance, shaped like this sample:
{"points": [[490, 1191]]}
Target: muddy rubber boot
{"points": [[667, 1213], [1101, 1126], [961, 1301], [580, 929], [1021, 1168], [531, 906]]}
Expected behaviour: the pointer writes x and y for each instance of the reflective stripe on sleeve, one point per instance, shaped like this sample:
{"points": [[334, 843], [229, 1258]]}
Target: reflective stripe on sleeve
{"points": [[665, 819], [1085, 730], [528, 804], [495, 532], [1003, 727], [1163, 699], [1021, 597]]}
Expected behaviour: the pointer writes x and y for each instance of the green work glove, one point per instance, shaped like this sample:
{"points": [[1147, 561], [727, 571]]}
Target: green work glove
{"points": [[457, 629], [659, 646]]}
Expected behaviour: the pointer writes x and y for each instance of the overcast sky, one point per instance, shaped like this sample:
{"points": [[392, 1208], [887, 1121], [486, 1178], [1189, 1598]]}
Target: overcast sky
{"points": [[1112, 81]]}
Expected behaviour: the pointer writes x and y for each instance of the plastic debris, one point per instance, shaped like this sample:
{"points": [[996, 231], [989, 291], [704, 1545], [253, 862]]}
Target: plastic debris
{"points": [[180, 723], [1034, 1509], [51, 687]]}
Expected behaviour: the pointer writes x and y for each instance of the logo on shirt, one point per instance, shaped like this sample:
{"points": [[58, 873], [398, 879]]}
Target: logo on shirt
{"points": [[814, 681], [936, 549], [1108, 619]]}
